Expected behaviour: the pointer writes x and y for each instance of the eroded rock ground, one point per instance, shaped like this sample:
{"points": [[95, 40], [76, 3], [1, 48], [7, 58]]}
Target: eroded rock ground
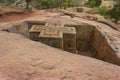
{"points": [[23, 59]]}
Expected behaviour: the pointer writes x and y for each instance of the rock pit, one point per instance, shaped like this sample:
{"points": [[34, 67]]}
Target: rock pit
{"points": [[87, 38]]}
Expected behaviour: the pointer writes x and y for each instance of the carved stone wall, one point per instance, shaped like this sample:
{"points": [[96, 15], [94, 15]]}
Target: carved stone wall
{"points": [[101, 48], [84, 35], [87, 37], [56, 35]]}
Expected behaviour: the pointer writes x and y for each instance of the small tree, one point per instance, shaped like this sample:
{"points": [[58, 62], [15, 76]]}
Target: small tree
{"points": [[65, 5], [28, 3], [94, 3], [103, 10], [115, 12], [48, 4], [91, 3], [76, 3], [55, 3], [98, 2]]}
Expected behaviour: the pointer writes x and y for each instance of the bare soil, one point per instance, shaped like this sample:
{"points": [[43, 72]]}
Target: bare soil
{"points": [[8, 15]]}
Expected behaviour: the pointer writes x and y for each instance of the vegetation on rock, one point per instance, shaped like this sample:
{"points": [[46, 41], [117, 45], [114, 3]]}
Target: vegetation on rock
{"points": [[94, 3], [79, 9], [115, 12], [42, 4], [27, 2], [102, 10]]}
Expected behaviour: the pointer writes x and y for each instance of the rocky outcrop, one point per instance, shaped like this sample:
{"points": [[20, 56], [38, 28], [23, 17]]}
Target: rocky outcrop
{"points": [[88, 37], [102, 49], [23, 59]]}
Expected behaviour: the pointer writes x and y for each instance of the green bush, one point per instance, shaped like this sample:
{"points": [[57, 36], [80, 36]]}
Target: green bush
{"points": [[94, 3], [99, 10], [65, 5], [115, 12], [46, 3], [76, 3], [79, 9], [107, 16], [94, 10], [38, 6], [98, 2], [103, 10]]}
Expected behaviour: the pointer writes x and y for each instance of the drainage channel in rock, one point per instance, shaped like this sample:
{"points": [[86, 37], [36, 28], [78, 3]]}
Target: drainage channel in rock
{"points": [[81, 39]]}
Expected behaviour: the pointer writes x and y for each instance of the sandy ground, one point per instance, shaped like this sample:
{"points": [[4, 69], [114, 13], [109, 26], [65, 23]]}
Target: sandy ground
{"points": [[23, 59]]}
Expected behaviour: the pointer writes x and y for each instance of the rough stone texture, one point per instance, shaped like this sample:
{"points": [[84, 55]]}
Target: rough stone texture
{"points": [[84, 35], [105, 46], [69, 42], [112, 36], [54, 42], [23, 59], [101, 48], [21, 28], [28, 60], [55, 35]]}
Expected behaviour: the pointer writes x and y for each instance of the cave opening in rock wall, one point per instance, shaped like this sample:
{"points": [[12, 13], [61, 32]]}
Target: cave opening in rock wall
{"points": [[83, 39]]}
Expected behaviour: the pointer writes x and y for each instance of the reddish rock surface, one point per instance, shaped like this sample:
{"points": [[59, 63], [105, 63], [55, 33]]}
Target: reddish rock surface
{"points": [[23, 59]]}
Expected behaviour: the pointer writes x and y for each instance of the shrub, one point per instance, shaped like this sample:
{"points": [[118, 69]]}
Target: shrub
{"points": [[65, 5], [98, 2], [79, 9], [38, 6], [94, 10], [99, 10], [94, 3], [115, 12], [107, 16], [103, 10]]}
